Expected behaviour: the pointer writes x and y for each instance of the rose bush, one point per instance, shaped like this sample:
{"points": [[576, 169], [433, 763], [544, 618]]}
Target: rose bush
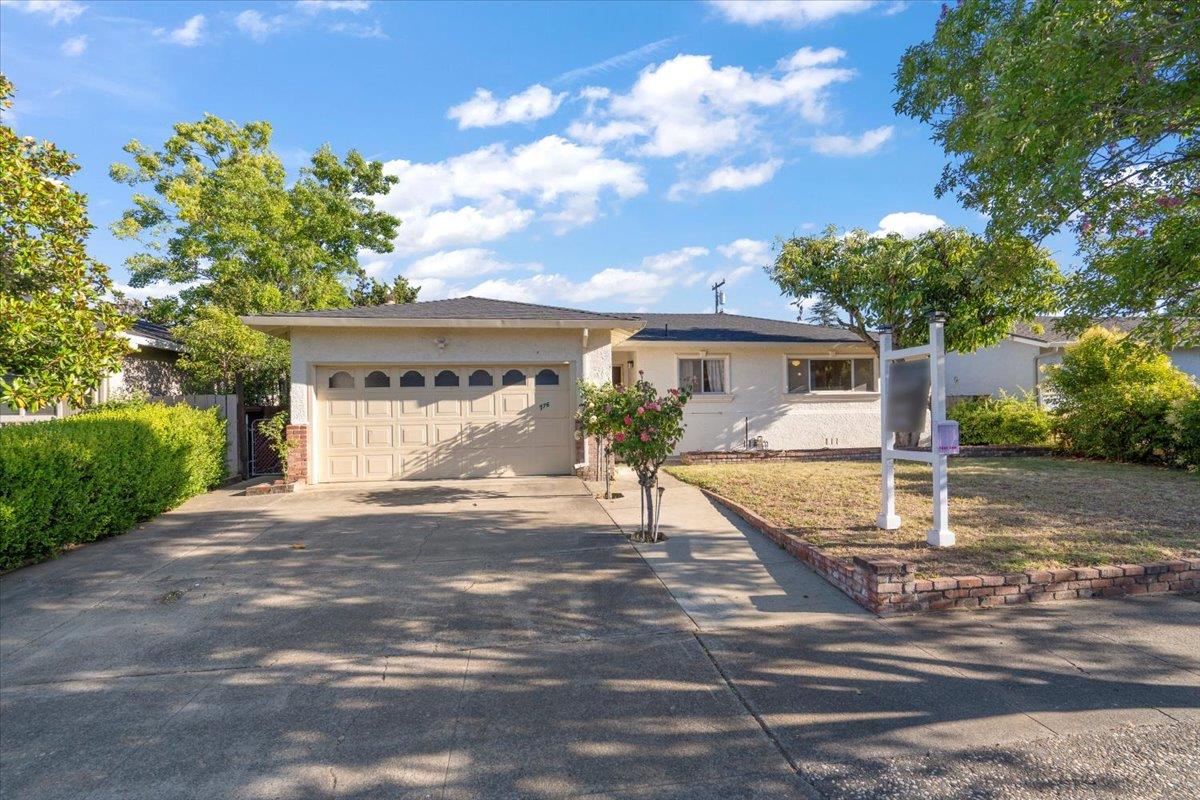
{"points": [[645, 427]]}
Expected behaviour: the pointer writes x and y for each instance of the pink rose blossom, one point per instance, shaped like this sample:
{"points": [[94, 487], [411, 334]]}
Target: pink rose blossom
{"points": [[628, 420], [641, 410], [620, 437], [645, 437]]}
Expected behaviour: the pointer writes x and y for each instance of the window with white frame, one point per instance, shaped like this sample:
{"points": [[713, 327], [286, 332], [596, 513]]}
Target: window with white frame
{"points": [[704, 375], [806, 375]]}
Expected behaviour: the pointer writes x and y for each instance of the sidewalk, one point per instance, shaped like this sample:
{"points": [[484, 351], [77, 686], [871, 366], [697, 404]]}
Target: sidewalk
{"points": [[724, 574]]}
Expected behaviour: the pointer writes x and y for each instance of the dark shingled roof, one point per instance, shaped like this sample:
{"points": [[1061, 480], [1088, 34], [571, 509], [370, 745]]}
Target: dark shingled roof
{"points": [[459, 308], [1045, 328], [152, 330], [734, 328]]}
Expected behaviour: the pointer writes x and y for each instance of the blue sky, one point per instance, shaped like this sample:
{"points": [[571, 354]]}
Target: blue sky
{"points": [[611, 156]]}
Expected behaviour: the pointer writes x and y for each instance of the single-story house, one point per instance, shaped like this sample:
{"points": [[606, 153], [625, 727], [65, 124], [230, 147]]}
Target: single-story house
{"points": [[471, 387], [148, 369], [1014, 366]]}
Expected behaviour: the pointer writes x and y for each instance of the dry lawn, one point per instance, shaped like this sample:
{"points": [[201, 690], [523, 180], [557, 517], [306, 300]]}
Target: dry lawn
{"points": [[1009, 514]]}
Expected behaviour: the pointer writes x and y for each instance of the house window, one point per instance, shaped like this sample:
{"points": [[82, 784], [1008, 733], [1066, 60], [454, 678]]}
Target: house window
{"points": [[412, 379], [514, 377], [446, 377], [480, 377], [546, 377], [341, 380], [377, 379], [830, 375], [703, 375]]}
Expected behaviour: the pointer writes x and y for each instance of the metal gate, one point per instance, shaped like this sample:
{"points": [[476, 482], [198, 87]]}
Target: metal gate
{"points": [[263, 459]]}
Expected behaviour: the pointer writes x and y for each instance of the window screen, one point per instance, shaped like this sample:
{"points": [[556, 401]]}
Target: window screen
{"points": [[832, 375], [703, 375], [797, 375], [864, 374]]}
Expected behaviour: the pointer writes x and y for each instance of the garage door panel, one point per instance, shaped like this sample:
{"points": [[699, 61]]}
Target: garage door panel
{"points": [[342, 437], [392, 431], [379, 466], [376, 436], [343, 468], [377, 409], [413, 435]]}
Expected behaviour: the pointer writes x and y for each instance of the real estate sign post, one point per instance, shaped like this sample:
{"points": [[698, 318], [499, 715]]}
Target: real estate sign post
{"points": [[904, 392]]}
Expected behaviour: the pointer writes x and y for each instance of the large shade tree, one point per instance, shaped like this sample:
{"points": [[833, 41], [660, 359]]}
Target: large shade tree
{"points": [[217, 216], [1083, 115], [59, 336], [864, 282]]}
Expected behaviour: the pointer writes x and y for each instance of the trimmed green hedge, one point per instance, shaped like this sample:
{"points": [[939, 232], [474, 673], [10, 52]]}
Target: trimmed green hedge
{"points": [[1000, 421], [99, 473]]}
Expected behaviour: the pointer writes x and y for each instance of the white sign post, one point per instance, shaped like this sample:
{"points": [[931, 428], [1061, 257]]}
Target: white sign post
{"points": [[943, 438]]}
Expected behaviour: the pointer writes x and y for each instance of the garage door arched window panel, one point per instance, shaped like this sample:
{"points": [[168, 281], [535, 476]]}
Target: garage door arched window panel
{"points": [[341, 380], [446, 377], [481, 377], [546, 377], [412, 380], [514, 377], [377, 379]]}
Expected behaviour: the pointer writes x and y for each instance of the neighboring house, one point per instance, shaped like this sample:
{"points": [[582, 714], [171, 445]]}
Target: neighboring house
{"points": [[149, 369], [472, 387], [1014, 366]]}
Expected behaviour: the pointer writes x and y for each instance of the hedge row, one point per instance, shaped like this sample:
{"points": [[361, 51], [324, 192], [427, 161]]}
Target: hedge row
{"points": [[1001, 421], [99, 473]]}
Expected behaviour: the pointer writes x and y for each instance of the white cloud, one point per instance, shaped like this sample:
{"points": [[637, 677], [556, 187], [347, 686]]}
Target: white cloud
{"points": [[465, 263], [154, 290], [359, 30], [478, 196], [728, 178], [74, 47], [754, 252], [685, 106], [189, 34], [908, 223], [485, 111], [850, 146], [895, 8], [640, 286], [312, 7], [256, 26], [792, 13], [57, 10]]}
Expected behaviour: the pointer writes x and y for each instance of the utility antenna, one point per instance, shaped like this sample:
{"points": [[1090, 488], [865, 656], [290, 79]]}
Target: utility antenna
{"points": [[718, 297]]}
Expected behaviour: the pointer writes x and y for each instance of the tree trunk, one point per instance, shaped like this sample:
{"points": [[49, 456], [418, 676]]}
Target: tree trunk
{"points": [[243, 445], [651, 520], [604, 450]]}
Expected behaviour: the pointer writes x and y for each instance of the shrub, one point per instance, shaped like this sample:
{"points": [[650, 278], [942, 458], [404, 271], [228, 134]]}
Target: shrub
{"points": [[1186, 420], [1113, 399], [99, 473], [1003, 420]]}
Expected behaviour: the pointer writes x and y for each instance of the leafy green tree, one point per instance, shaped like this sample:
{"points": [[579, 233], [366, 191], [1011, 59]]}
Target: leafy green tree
{"points": [[59, 337], [221, 221], [984, 286], [221, 351], [1084, 115], [370, 292]]}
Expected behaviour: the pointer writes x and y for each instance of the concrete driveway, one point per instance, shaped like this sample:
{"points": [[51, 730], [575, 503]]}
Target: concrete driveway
{"points": [[503, 639]]}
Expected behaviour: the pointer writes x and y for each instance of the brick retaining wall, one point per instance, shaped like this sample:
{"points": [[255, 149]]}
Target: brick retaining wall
{"points": [[845, 454], [888, 586], [297, 466]]}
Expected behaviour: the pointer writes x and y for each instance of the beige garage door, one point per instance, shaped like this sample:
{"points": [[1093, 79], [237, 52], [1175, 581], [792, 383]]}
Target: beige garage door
{"points": [[380, 423]]}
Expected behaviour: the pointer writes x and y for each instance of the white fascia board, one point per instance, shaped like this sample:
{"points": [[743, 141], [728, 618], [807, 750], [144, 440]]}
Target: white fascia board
{"points": [[138, 341], [275, 323]]}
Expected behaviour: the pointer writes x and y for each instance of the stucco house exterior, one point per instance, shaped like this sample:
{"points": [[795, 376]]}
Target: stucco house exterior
{"points": [[471, 387], [148, 369], [1014, 366]]}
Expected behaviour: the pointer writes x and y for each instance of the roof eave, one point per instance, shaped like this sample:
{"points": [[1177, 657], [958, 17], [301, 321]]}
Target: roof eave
{"points": [[275, 325]]}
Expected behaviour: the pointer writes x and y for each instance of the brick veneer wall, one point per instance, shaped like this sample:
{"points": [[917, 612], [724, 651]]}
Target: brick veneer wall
{"points": [[887, 586], [590, 446], [845, 454], [297, 466]]}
